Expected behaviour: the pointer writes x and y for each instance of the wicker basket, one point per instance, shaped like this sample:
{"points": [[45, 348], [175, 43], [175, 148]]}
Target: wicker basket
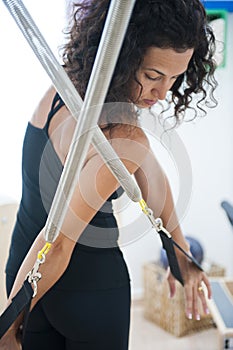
{"points": [[169, 313]]}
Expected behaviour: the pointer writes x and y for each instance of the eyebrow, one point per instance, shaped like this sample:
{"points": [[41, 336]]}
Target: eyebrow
{"points": [[163, 74], [157, 71]]}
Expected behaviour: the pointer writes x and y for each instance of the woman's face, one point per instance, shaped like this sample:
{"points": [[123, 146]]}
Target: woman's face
{"points": [[158, 72]]}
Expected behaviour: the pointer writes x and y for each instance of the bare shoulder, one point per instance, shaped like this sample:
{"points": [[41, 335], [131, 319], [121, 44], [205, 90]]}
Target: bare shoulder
{"points": [[132, 132], [131, 145], [132, 136], [40, 114], [61, 126]]}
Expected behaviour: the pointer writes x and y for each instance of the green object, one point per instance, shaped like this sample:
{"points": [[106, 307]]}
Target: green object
{"points": [[220, 33]]}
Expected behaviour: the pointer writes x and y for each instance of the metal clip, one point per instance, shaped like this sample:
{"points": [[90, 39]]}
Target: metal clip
{"points": [[157, 223], [160, 227], [152, 219], [34, 275]]}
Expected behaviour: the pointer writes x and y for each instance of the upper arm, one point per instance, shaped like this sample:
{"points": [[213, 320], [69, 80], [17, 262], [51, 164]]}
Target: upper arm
{"points": [[153, 182], [151, 178], [156, 191], [97, 183]]}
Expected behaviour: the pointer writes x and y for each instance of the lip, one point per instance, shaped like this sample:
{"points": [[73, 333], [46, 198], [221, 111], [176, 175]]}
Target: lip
{"points": [[150, 102]]}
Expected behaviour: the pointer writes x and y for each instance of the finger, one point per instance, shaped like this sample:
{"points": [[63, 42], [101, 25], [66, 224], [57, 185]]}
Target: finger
{"points": [[202, 297], [171, 283], [188, 301], [209, 294], [208, 286], [195, 302]]}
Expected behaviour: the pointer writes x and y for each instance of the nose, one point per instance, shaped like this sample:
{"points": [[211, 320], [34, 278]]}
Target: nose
{"points": [[161, 89]]}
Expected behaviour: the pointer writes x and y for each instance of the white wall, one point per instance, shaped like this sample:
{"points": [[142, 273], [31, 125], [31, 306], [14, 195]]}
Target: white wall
{"points": [[210, 145], [23, 82]]}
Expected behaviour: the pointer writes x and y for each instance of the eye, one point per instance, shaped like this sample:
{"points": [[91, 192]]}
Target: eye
{"points": [[153, 79]]}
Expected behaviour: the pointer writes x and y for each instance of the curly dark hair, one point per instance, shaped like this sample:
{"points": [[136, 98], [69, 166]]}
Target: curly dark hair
{"points": [[176, 24]]}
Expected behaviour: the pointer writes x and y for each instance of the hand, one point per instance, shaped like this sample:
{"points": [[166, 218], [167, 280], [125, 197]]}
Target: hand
{"points": [[194, 281], [10, 341]]}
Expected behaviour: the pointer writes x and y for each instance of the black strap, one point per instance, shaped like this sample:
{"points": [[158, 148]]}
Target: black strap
{"points": [[21, 302], [54, 108], [168, 245], [171, 256], [190, 257]]}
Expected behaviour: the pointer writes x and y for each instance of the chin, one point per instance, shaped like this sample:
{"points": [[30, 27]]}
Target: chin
{"points": [[141, 104]]}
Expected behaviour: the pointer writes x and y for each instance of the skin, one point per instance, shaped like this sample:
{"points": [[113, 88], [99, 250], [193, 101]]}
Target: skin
{"points": [[157, 74], [159, 70]]}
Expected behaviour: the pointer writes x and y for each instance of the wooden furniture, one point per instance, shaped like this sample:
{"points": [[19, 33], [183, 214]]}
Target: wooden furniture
{"points": [[169, 313]]}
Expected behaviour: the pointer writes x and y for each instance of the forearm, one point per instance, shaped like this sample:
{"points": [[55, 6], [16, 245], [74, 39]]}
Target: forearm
{"points": [[55, 264], [171, 221], [157, 193]]}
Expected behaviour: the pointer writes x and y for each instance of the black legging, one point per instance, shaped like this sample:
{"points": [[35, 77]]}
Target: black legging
{"points": [[79, 320]]}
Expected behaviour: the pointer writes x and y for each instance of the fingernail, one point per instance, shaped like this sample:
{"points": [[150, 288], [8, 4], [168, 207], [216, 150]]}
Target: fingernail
{"points": [[198, 317], [190, 316], [207, 311]]}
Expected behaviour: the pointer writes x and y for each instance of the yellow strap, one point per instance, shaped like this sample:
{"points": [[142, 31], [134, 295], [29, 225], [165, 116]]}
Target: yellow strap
{"points": [[144, 206], [44, 250]]}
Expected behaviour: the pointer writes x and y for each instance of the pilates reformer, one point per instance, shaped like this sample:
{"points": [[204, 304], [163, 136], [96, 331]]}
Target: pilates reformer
{"points": [[86, 132], [221, 307]]}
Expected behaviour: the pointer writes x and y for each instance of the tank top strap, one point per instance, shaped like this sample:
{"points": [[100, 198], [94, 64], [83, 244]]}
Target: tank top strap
{"points": [[57, 103]]}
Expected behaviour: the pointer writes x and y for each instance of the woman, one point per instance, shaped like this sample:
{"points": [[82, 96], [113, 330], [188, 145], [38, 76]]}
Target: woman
{"points": [[83, 299]]}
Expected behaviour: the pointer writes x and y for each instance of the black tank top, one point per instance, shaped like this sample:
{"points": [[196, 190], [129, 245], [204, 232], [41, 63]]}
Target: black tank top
{"points": [[41, 171]]}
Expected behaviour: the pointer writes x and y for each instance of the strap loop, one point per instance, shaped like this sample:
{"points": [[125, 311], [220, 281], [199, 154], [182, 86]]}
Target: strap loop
{"points": [[168, 243], [44, 250], [34, 275]]}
